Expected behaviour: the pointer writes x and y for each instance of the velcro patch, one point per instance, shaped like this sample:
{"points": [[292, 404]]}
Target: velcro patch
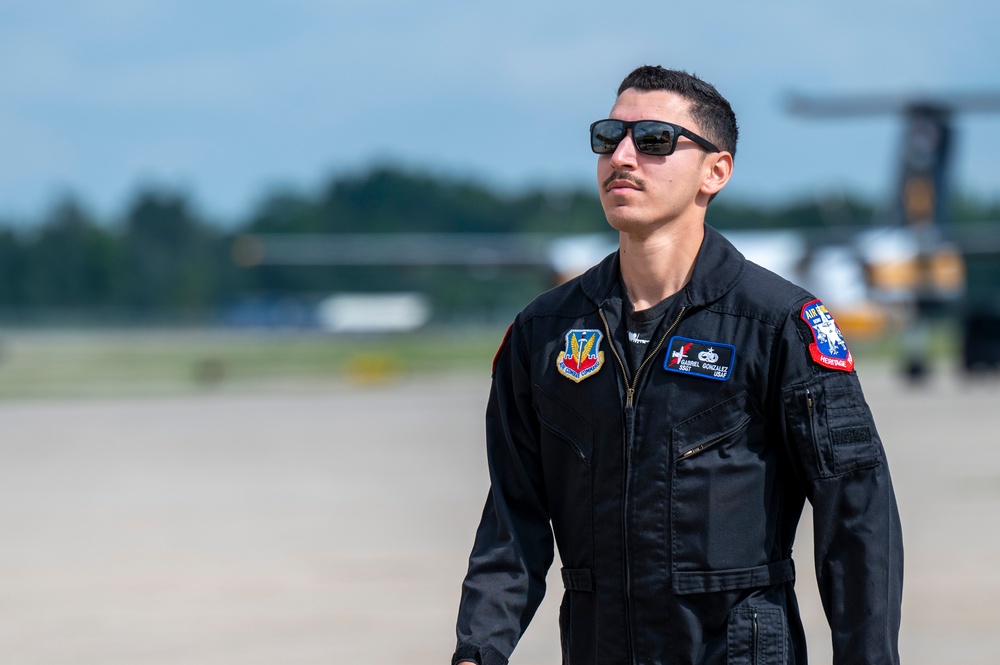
{"points": [[711, 360], [845, 436]]}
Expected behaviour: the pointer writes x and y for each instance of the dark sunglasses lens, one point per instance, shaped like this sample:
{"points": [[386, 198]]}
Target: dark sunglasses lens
{"points": [[654, 138], [605, 136]]}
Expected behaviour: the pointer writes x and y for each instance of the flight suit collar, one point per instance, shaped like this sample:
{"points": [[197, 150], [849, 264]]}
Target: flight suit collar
{"points": [[717, 269]]}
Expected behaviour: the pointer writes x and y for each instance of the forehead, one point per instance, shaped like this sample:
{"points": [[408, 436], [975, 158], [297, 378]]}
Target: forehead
{"points": [[635, 104]]}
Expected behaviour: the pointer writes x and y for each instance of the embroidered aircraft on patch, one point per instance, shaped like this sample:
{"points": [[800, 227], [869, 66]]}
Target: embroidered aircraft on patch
{"points": [[582, 356], [828, 348]]}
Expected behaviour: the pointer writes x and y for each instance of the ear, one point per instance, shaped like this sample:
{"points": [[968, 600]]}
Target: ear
{"points": [[718, 168]]}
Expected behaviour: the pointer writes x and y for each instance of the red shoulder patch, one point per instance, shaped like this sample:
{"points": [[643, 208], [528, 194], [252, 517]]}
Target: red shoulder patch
{"points": [[496, 355], [828, 348]]}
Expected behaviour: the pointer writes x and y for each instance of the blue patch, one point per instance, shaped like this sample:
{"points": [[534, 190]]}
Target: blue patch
{"points": [[828, 348], [710, 360]]}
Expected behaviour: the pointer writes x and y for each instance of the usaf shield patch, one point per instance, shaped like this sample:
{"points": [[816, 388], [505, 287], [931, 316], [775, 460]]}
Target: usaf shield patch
{"points": [[582, 356], [828, 348]]}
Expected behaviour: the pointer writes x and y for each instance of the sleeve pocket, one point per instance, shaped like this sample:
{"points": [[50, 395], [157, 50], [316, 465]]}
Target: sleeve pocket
{"points": [[833, 425]]}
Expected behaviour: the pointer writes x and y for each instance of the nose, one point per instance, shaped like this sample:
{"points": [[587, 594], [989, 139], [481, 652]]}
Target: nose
{"points": [[624, 155]]}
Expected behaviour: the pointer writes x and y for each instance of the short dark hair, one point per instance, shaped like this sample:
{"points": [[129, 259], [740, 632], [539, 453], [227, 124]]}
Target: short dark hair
{"points": [[713, 113]]}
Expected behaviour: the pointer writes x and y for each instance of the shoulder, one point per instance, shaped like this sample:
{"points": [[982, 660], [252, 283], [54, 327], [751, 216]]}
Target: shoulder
{"points": [[562, 303], [772, 291], [566, 299], [577, 297], [765, 296], [548, 311]]}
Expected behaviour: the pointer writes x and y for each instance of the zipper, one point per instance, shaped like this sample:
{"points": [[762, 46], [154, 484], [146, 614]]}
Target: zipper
{"points": [[576, 448], [568, 439], [631, 388], [756, 640], [572, 444], [811, 424], [698, 449], [708, 444], [630, 391], [656, 351], [621, 365]]}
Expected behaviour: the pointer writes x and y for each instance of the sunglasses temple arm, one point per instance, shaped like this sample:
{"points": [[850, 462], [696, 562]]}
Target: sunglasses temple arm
{"points": [[704, 143]]}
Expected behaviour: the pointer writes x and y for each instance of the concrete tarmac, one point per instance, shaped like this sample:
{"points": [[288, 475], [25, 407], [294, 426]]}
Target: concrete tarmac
{"points": [[333, 525]]}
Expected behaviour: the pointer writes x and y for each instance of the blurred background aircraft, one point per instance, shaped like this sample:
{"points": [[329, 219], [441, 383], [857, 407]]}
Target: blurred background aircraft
{"points": [[909, 268], [319, 168], [917, 264]]}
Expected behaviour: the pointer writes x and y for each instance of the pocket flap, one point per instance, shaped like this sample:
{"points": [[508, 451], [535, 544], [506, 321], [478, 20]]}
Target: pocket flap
{"points": [[577, 579], [564, 422], [713, 423]]}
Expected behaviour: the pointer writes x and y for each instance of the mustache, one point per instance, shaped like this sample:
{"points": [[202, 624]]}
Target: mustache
{"points": [[623, 175]]}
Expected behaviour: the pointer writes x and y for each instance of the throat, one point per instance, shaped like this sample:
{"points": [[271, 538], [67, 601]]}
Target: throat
{"points": [[653, 269]]}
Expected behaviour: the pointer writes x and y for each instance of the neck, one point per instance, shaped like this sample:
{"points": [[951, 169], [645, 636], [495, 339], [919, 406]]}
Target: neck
{"points": [[657, 266]]}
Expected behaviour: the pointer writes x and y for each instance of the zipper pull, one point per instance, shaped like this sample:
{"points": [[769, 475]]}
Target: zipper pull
{"points": [[629, 392], [694, 450], [809, 401]]}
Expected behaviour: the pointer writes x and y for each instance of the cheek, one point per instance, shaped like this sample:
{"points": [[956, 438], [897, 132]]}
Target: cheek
{"points": [[603, 167]]}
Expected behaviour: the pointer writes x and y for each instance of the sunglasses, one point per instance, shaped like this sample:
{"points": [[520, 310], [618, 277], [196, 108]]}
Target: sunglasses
{"points": [[651, 137]]}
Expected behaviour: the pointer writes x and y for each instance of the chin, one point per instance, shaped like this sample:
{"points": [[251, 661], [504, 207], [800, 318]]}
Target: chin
{"points": [[628, 226], [625, 223]]}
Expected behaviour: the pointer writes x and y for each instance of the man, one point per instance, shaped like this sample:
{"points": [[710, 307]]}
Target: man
{"points": [[664, 416]]}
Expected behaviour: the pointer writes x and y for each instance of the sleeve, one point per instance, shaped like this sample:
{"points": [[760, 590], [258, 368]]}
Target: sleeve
{"points": [[513, 548], [831, 437]]}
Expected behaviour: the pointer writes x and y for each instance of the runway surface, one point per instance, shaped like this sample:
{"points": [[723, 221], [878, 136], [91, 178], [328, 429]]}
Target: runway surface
{"points": [[333, 525]]}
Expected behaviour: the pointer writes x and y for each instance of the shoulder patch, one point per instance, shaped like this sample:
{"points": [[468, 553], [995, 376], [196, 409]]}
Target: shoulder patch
{"points": [[828, 347], [582, 355], [496, 356]]}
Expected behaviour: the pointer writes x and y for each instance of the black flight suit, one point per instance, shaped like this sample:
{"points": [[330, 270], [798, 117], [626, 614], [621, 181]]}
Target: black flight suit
{"points": [[673, 496]]}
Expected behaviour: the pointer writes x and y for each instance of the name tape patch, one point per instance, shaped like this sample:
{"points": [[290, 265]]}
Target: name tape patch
{"points": [[711, 360]]}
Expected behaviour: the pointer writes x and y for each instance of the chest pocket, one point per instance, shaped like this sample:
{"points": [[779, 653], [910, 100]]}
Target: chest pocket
{"points": [[566, 446], [563, 426], [722, 491]]}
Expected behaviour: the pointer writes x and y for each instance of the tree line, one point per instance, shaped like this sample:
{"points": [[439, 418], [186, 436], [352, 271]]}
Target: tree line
{"points": [[163, 260]]}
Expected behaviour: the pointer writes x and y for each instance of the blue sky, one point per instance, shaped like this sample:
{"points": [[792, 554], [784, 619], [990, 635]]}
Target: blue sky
{"points": [[229, 101]]}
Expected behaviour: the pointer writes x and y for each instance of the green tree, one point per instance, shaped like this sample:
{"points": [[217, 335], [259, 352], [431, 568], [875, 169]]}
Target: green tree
{"points": [[71, 262], [173, 260], [13, 267]]}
